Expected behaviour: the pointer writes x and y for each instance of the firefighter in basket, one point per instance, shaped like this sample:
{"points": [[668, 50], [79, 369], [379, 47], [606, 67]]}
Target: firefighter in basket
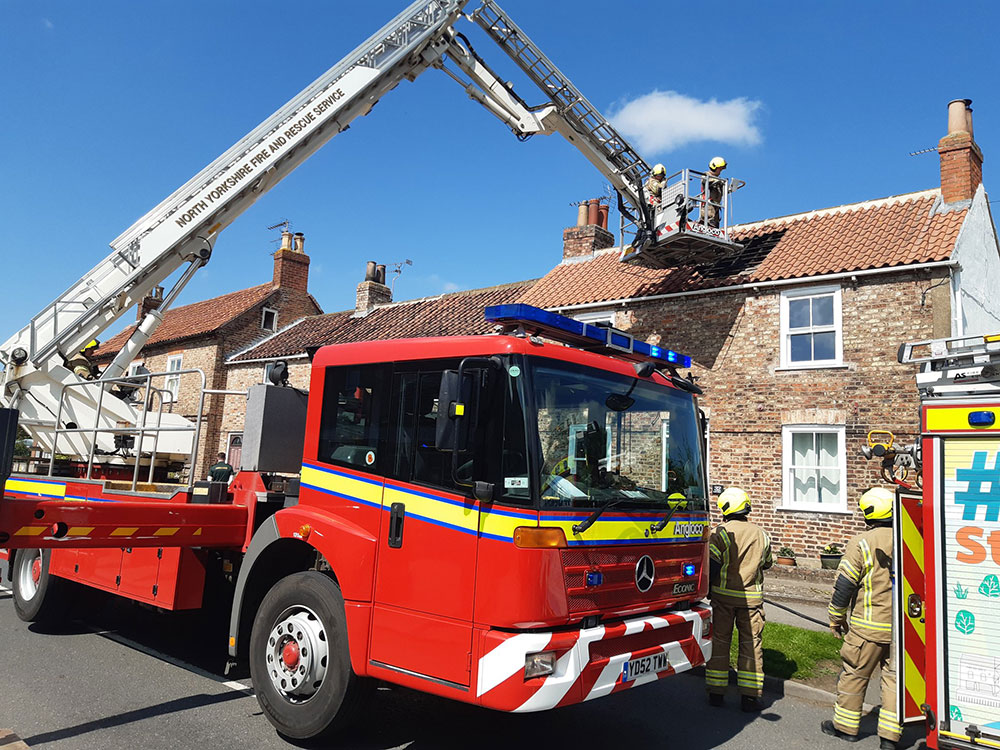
{"points": [[861, 611], [739, 551], [655, 184]]}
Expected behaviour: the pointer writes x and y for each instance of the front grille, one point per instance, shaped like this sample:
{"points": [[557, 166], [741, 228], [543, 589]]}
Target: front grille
{"points": [[618, 589], [629, 644]]}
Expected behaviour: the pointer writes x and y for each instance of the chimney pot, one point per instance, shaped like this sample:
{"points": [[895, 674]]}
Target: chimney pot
{"points": [[592, 213], [602, 214], [380, 274], [300, 242], [370, 271], [961, 158], [286, 240], [581, 215]]}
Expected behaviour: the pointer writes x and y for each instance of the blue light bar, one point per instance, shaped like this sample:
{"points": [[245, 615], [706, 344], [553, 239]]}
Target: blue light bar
{"points": [[689, 569], [586, 336]]}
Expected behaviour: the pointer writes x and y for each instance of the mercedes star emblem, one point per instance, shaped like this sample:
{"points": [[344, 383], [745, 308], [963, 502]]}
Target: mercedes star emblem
{"points": [[645, 573]]}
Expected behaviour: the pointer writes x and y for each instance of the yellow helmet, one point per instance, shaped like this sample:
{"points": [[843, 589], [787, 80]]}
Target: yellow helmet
{"points": [[877, 504], [658, 170], [90, 345], [733, 500], [677, 500], [717, 163]]}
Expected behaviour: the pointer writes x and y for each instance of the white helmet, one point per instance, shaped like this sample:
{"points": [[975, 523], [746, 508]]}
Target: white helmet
{"points": [[659, 170], [717, 163]]}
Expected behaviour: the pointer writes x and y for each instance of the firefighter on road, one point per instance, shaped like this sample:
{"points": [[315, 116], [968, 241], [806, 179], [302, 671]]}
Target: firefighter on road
{"points": [[739, 552], [864, 590]]}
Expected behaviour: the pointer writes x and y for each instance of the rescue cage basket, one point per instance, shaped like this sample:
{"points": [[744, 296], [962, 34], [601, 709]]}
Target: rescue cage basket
{"points": [[688, 227], [155, 433]]}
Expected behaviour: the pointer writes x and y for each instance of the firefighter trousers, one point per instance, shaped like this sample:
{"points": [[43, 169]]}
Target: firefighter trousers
{"points": [[749, 622], [860, 657]]}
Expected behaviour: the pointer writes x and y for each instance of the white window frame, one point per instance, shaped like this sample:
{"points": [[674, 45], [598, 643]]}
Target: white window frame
{"points": [[787, 486], [263, 317], [133, 368], [837, 328], [172, 383], [268, 366], [598, 316]]}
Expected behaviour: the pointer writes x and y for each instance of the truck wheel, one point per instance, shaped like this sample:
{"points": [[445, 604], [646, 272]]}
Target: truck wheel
{"points": [[38, 595], [299, 658]]}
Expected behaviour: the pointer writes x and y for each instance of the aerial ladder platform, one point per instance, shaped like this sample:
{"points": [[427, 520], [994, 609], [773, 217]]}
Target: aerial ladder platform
{"points": [[67, 415]]}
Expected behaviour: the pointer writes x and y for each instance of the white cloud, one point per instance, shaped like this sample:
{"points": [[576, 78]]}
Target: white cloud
{"points": [[662, 121]]}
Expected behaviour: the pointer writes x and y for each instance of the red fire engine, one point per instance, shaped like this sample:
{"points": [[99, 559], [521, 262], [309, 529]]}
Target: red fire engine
{"points": [[501, 520], [947, 542]]}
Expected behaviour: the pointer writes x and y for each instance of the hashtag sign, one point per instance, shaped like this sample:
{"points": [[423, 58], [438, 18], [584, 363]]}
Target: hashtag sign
{"points": [[984, 488]]}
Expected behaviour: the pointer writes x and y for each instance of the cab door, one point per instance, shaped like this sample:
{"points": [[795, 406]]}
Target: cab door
{"points": [[425, 582]]}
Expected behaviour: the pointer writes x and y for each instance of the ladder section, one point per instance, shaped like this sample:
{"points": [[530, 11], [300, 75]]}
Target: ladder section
{"points": [[183, 226], [964, 365], [583, 117]]}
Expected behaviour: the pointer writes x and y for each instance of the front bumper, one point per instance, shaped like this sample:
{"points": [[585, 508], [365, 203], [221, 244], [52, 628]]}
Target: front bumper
{"points": [[589, 661]]}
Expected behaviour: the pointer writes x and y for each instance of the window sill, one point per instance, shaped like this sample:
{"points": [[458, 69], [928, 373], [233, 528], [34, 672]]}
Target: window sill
{"points": [[814, 509], [807, 368]]}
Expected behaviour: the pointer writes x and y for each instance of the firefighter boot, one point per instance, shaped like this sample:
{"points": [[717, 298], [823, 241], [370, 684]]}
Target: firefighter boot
{"points": [[716, 699], [885, 744], [828, 728], [749, 704]]}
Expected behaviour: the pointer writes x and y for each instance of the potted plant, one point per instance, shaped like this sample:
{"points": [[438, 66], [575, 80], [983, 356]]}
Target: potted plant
{"points": [[829, 556], [786, 556]]}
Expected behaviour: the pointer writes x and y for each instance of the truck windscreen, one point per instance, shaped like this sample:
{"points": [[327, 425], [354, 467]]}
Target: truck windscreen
{"points": [[605, 436]]}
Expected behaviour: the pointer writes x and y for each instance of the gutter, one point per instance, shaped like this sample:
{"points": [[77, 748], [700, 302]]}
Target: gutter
{"points": [[950, 264], [231, 362]]}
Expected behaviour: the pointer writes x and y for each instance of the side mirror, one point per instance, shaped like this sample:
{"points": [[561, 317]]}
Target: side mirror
{"points": [[452, 429]]}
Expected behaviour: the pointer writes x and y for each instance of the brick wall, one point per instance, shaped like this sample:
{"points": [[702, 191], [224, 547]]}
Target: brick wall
{"points": [[733, 338], [961, 166]]}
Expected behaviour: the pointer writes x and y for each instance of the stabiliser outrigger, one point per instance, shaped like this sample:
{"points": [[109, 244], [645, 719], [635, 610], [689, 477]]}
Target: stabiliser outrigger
{"points": [[327, 587]]}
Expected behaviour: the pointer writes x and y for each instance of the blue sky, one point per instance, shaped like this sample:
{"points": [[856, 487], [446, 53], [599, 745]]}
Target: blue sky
{"points": [[107, 107]]}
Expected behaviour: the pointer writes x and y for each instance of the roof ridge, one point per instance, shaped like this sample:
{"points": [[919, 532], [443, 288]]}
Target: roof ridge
{"points": [[842, 208]]}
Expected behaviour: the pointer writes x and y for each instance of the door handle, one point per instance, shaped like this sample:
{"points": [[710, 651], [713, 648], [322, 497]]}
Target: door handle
{"points": [[397, 514], [914, 606]]}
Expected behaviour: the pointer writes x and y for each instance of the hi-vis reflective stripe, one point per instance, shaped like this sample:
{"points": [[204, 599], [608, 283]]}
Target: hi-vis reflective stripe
{"points": [[965, 738], [866, 579], [871, 624], [887, 721], [751, 596], [36, 487], [849, 571], [845, 717], [749, 679], [717, 677], [913, 628], [726, 543], [618, 528]]}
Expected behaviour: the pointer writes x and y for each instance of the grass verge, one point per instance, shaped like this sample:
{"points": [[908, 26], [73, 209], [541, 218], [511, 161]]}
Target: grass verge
{"points": [[795, 653]]}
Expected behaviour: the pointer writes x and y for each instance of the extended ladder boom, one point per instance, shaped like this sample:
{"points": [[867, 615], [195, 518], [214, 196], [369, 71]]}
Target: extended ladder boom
{"points": [[183, 227]]}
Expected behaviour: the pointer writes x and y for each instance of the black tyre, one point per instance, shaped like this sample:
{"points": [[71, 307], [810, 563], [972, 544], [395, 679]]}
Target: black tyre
{"points": [[299, 658], [38, 595]]}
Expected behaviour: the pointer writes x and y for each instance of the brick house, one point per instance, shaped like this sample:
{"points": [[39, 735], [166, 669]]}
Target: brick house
{"points": [[202, 335], [375, 317], [794, 338]]}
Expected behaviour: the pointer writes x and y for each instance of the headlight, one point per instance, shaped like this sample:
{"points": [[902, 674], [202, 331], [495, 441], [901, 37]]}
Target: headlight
{"points": [[539, 665], [706, 626]]}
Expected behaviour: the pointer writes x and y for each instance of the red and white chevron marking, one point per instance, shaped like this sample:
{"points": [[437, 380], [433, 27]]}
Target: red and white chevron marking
{"points": [[585, 671]]}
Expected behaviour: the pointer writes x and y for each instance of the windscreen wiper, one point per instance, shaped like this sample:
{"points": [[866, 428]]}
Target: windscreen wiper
{"points": [[579, 528], [659, 525]]}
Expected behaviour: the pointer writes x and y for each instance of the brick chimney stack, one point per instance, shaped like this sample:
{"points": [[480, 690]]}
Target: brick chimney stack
{"points": [[961, 158], [590, 233], [372, 291], [291, 264], [151, 301]]}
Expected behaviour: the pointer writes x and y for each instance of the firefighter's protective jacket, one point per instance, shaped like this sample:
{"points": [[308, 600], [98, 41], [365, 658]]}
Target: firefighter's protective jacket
{"points": [[742, 552], [654, 189], [864, 586]]}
